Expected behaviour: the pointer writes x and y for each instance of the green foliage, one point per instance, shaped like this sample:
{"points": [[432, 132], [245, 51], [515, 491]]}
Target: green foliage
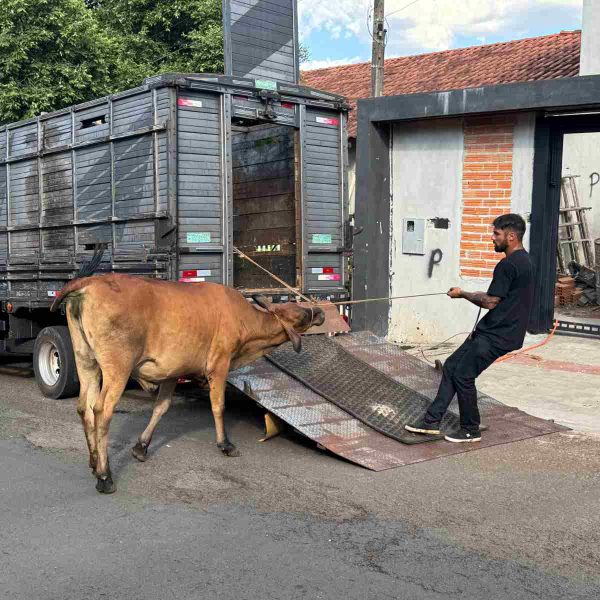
{"points": [[159, 36], [54, 53]]}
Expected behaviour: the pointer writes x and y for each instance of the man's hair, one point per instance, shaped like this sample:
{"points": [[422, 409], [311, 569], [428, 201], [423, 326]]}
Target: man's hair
{"points": [[512, 222]]}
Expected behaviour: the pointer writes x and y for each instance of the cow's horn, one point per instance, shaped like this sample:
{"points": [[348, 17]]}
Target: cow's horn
{"points": [[262, 302]]}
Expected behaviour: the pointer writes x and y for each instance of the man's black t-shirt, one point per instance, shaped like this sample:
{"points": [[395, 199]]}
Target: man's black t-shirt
{"points": [[505, 324]]}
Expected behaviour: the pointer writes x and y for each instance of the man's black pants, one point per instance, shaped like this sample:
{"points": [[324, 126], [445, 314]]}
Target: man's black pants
{"points": [[460, 370]]}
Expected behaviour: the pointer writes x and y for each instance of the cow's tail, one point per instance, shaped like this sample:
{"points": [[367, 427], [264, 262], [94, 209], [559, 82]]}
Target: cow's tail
{"points": [[86, 270]]}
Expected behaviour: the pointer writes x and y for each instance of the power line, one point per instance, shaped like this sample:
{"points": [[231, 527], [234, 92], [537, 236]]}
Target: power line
{"points": [[401, 9]]}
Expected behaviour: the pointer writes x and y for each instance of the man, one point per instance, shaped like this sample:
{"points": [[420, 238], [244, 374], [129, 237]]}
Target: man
{"points": [[508, 299]]}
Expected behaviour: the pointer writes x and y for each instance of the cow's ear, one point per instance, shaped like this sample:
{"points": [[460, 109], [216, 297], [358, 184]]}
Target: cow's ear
{"points": [[262, 302], [294, 337]]}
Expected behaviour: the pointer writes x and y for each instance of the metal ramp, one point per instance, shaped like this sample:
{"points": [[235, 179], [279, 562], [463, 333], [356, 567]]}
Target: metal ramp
{"points": [[307, 400]]}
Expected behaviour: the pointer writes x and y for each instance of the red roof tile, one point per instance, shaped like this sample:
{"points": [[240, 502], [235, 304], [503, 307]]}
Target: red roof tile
{"points": [[547, 57]]}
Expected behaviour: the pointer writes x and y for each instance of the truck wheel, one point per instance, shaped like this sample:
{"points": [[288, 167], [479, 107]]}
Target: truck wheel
{"points": [[54, 363]]}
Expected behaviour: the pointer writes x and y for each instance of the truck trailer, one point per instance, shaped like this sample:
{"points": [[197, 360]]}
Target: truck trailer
{"points": [[167, 180]]}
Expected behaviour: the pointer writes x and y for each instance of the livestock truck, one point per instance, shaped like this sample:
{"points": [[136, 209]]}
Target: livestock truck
{"points": [[167, 179]]}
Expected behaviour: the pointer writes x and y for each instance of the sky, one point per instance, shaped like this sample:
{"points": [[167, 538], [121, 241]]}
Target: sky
{"points": [[337, 32]]}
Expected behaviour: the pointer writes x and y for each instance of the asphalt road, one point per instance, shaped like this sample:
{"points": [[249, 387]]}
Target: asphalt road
{"points": [[284, 520]]}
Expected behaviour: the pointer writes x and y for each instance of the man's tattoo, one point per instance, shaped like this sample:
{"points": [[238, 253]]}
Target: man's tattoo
{"points": [[481, 299]]}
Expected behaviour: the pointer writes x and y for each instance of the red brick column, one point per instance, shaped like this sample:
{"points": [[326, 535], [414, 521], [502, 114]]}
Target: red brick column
{"points": [[486, 190]]}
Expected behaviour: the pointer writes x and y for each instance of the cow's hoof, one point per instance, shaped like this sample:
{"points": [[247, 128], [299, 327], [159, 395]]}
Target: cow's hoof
{"points": [[228, 449], [106, 485], [140, 452]]}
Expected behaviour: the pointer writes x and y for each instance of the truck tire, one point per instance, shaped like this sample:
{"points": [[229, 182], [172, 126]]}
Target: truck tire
{"points": [[54, 363]]}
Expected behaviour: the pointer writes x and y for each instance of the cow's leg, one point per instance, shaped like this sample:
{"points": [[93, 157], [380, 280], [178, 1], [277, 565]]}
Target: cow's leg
{"points": [[161, 406], [113, 386], [89, 379], [216, 379], [89, 375]]}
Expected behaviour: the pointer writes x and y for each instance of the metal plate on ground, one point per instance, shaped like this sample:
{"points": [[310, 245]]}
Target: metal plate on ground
{"points": [[316, 418], [337, 431], [356, 387]]}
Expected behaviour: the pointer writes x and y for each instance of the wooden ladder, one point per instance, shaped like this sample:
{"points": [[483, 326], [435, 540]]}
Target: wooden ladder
{"points": [[574, 242]]}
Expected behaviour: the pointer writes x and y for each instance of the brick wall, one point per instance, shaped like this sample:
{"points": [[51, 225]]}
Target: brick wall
{"points": [[486, 190]]}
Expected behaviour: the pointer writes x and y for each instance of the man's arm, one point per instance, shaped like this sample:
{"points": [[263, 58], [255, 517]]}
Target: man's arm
{"points": [[480, 299]]}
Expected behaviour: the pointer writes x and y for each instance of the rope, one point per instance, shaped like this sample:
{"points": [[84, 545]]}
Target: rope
{"points": [[383, 298], [283, 283], [343, 302], [523, 350]]}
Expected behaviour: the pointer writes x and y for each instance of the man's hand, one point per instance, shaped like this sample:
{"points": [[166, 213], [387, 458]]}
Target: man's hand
{"points": [[455, 292]]}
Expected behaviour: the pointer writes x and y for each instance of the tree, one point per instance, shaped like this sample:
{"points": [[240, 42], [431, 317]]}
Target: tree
{"points": [[53, 53], [164, 35]]}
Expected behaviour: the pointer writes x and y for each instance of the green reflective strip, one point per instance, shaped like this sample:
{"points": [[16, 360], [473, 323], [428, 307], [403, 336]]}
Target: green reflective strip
{"points": [[321, 238], [265, 84], [198, 237]]}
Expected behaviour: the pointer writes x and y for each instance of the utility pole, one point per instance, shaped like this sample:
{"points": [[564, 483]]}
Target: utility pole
{"points": [[378, 53]]}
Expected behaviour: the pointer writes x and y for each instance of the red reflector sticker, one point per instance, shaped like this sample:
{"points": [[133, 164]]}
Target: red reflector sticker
{"points": [[328, 121], [287, 105], [189, 102], [329, 277], [327, 269], [189, 273]]}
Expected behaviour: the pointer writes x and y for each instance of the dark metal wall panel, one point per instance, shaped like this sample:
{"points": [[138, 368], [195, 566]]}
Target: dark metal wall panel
{"points": [[261, 39], [24, 246], [24, 193], [57, 132], [134, 176], [200, 172], [3, 196], [22, 140], [201, 267], [323, 197], [57, 189], [132, 113], [93, 183]]}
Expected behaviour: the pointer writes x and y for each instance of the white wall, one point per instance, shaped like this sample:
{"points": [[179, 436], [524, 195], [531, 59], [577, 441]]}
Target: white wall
{"points": [[581, 156], [427, 163], [589, 63]]}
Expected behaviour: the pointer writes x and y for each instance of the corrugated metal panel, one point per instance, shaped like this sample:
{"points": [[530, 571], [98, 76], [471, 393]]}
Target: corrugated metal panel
{"points": [[261, 39], [58, 204], [22, 140], [57, 132], [93, 183], [323, 199], [57, 189], [24, 203], [200, 189]]}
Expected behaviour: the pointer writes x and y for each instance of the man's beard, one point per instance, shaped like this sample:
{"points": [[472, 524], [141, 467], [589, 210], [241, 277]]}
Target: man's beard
{"points": [[500, 247]]}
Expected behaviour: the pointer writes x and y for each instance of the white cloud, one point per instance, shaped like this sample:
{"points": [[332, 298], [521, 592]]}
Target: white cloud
{"points": [[311, 65], [430, 25]]}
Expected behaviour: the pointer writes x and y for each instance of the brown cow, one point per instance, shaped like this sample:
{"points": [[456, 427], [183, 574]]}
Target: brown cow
{"points": [[157, 331]]}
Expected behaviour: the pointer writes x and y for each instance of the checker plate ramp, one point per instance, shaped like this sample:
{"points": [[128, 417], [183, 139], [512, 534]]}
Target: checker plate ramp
{"points": [[358, 388], [339, 432]]}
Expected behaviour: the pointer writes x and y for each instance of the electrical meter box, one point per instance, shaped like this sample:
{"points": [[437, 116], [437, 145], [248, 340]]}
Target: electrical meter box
{"points": [[413, 236]]}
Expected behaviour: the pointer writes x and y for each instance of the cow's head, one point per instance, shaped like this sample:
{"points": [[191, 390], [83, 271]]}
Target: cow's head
{"points": [[294, 319]]}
